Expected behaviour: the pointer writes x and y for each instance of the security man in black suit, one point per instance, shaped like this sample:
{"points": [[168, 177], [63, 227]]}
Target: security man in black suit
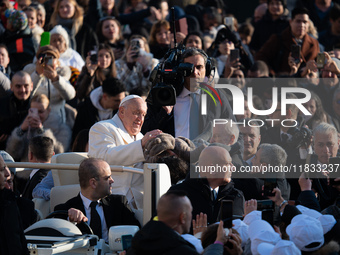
{"points": [[95, 203]]}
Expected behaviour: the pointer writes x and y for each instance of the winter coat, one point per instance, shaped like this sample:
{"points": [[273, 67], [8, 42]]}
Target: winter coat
{"points": [[60, 133], [58, 92]]}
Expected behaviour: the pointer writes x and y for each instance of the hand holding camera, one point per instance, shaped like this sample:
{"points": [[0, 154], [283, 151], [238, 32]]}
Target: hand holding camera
{"points": [[92, 62], [32, 120]]}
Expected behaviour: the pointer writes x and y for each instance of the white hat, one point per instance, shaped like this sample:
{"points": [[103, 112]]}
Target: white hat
{"points": [[242, 229], [304, 230], [58, 29], [283, 247], [260, 231], [129, 98], [252, 216], [327, 221]]}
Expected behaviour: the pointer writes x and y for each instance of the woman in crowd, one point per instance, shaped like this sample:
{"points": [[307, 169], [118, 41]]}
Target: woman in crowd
{"points": [[51, 79], [160, 38], [68, 56], [96, 71], [314, 106], [194, 40], [134, 68], [32, 14], [273, 22], [40, 121], [109, 32], [69, 15]]}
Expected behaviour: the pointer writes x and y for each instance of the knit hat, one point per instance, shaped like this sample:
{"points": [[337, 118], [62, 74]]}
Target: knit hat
{"points": [[17, 19], [58, 29], [8, 158], [48, 49], [304, 231]]}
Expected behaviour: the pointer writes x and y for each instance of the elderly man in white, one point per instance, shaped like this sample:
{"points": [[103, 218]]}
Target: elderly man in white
{"points": [[118, 141]]}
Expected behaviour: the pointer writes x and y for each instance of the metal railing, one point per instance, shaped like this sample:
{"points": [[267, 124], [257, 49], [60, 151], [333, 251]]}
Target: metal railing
{"points": [[22, 166]]}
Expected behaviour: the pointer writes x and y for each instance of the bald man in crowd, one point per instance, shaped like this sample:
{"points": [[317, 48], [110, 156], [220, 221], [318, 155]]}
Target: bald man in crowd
{"points": [[164, 235], [206, 191]]}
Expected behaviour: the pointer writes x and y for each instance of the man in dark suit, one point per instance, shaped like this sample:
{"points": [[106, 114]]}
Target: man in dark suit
{"points": [[176, 119], [40, 150], [95, 203]]}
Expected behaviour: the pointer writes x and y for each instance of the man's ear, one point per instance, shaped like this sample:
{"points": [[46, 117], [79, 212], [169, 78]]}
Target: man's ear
{"points": [[182, 217], [232, 139], [93, 183]]}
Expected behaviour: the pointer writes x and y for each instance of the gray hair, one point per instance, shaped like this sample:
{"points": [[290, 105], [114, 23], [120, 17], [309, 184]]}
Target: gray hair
{"points": [[325, 128], [231, 129], [273, 154]]}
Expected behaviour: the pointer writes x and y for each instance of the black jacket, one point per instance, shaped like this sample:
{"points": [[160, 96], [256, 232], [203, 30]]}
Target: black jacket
{"points": [[30, 185], [115, 207], [200, 195], [12, 238], [12, 114], [265, 27], [157, 238]]}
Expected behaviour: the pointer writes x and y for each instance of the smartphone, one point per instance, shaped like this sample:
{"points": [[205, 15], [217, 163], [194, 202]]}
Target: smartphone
{"points": [[335, 162], [320, 60], [182, 26], [229, 22], [126, 242], [269, 185], [135, 46], [296, 49], [33, 112], [268, 215], [234, 54], [93, 57], [265, 205], [312, 159], [45, 39], [226, 213], [48, 60]]}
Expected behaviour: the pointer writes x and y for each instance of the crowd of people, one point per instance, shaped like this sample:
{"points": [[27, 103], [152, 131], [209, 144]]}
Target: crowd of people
{"points": [[110, 78]]}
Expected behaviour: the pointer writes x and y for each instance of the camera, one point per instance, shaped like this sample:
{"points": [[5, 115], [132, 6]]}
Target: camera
{"points": [[168, 77], [93, 57], [299, 136]]}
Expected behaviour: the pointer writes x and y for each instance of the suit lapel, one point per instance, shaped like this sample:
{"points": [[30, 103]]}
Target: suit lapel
{"points": [[108, 214]]}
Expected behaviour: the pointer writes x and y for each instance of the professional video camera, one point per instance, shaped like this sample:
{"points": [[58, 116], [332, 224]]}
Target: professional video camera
{"points": [[168, 77], [299, 137]]}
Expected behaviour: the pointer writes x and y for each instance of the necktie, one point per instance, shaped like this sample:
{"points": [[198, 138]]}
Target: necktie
{"points": [[284, 138], [95, 223], [194, 117], [214, 194]]}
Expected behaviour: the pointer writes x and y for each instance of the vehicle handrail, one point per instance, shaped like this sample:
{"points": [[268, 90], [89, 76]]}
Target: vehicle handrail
{"points": [[21, 165]]}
